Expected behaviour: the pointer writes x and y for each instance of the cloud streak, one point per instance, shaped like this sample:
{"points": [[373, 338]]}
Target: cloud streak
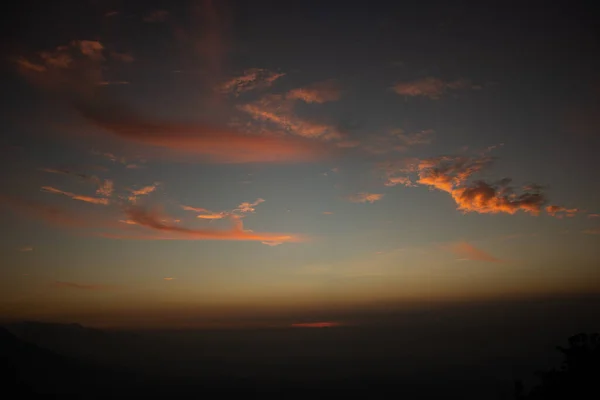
{"points": [[214, 144], [86, 199], [320, 92], [470, 252], [251, 79], [279, 112], [154, 221]]}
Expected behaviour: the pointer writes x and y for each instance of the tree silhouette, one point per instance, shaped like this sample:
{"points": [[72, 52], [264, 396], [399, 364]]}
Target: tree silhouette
{"points": [[577, 377]]}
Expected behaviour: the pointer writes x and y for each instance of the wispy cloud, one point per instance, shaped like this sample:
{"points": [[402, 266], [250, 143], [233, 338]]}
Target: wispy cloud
{"points": [[87, 199], [25, 249], [593, 231], [247, 207], [217, 144], [320, 92], [168, 279], [144, 191], [75, 71], [80, 286], [365, 197], [243, 208], [276, 110], [431, 87], [251, 79], [106, 189], [153, 220], [560, 211], [470, 252], [327, 212], [593, 215]]}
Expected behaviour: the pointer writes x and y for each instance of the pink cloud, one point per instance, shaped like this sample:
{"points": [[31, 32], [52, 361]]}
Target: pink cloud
{"points": [[470, 252], [154, 221]]}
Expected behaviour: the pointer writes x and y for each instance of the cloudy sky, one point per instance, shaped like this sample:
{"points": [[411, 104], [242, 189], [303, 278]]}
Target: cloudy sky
{"points": [[217, 160]]}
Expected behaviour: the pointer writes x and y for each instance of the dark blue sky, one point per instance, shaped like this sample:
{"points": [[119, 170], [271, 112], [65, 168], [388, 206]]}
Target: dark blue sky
{"points": [[304, 151]]}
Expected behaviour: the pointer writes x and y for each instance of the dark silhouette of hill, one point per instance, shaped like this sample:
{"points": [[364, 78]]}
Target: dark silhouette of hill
{"points": [[576, 378], [31, 369], [413, 360]]}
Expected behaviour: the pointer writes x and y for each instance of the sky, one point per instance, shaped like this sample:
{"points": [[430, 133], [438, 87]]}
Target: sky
{"points": [[182, 164]]}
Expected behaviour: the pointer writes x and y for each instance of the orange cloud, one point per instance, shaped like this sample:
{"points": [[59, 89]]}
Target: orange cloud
{"points": [[168, 279], [593, 215], [470, 252], [278, 111], [319, 92], [144, 191], [485, 198], [73, 285], [431, 87], [87, 199], [152, 220], [450, 174], [321, 324], [26, 248], [327, 212], [78, 78], [560, 211], [365, 197], [247, 207], [255, 78]]}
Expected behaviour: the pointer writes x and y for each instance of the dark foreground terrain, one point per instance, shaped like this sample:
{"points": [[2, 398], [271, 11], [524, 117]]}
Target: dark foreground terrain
{"points": [[454, 353]]}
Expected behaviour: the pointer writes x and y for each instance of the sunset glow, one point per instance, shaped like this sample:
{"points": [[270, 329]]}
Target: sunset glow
{"points": [[209, 163]]}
